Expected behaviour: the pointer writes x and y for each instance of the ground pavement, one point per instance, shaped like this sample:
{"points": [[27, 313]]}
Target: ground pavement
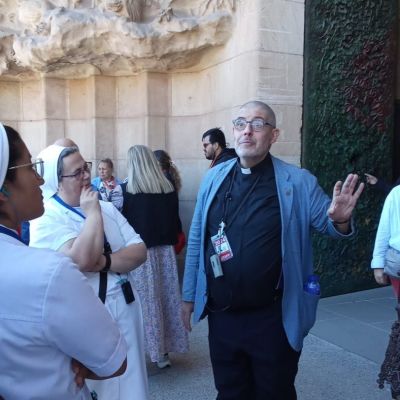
{"points": [[340, 360]]}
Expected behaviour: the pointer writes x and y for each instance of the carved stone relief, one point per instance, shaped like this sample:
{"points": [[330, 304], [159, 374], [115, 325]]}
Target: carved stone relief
{"points": [[113, 37]]}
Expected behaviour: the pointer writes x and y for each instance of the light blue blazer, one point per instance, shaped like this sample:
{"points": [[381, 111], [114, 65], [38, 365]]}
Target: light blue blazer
{"points": [[303, 206]]}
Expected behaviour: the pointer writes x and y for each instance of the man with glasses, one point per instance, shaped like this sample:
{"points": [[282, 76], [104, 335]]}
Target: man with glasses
{"points": [[105, 247], [249, 254], [214, 147]]}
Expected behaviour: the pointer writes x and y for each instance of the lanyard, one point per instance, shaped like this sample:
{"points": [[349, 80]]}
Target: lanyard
{"points": [[64, 204], [107, 247], [10, 232], [228, 197]]}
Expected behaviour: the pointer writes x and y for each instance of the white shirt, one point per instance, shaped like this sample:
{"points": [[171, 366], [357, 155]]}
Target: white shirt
{"points": [[388, 233], [58, 225], [43, 325]]}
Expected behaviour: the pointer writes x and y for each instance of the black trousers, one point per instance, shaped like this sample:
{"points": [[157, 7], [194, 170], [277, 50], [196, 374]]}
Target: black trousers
{"points": [[251, 356]]}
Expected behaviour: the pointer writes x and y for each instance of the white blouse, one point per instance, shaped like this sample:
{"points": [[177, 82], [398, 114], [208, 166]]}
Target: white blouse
{"points": [[388, 233], [43, 325], [58, 225]]}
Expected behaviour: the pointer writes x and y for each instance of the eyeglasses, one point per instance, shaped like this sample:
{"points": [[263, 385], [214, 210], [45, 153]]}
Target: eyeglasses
{"points": [[80, 172], [257, 124], [37, 166]]}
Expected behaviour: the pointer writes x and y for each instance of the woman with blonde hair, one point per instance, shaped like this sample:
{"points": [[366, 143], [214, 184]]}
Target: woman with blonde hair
{"points": [[151, 207]]}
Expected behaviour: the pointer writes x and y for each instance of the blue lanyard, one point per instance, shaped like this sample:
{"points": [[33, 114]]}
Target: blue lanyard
{"points": [[10, 232], [63, 203]]}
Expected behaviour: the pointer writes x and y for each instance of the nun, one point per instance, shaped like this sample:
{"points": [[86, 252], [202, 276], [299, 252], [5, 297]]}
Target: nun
{"points": [[105, 248], [49, 343]]}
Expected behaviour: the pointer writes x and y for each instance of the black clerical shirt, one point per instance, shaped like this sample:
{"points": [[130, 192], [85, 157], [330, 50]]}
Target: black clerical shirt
{"points": [[254, 233]]}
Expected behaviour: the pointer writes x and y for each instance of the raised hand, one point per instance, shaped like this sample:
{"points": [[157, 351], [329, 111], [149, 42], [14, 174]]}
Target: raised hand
{"points": [[89, 201], [344, 199]]}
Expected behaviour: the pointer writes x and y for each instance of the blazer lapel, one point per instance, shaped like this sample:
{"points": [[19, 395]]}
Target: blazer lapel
{"points": [[213, 188], [285, 192]]}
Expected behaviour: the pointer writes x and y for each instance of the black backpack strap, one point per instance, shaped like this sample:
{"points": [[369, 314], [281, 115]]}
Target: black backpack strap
{"points": [[103, 286], [104, 273]]}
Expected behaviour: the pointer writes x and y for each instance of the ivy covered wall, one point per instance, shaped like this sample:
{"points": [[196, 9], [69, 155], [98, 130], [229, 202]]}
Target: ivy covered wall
{"points": [[349, 81]]}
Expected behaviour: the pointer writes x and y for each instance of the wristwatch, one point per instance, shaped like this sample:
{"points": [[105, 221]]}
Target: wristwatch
{"points": [[108, 262]]}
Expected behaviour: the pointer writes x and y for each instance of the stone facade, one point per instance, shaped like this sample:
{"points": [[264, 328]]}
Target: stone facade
{"points": [[109, 77]]}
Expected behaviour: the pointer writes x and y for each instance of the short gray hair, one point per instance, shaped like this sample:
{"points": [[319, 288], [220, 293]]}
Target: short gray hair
{"points": [[60, 163], [268, 110]]}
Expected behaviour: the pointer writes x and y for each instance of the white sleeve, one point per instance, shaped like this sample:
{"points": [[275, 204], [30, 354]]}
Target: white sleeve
{"points": [[382, 234], [128, 234], [50, 231], [78, 324]]}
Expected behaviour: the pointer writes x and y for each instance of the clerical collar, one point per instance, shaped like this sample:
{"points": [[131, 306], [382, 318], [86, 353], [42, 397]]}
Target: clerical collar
{"points": [[265, 163]]}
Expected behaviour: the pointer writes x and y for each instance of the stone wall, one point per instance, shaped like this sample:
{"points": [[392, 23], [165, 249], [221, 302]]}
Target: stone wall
{"points": [[197, 77]]}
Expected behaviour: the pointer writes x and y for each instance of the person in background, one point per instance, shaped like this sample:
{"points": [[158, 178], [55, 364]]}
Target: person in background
{"points": [[151, 207], [387, 252], [169, 169], [381, 185], [65, 142], [51, 323], [214, 147], [107, 185], [172, 174], [105, 248], [387, 239], [249, 257]]}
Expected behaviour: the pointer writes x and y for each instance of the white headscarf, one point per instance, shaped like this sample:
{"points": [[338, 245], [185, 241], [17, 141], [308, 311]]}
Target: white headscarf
{"points": [[4, 154], [50, 156]]}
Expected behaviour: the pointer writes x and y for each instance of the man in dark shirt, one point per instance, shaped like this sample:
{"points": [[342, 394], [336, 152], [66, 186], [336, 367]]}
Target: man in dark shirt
{"points": [[249, 254], [214, 147]]}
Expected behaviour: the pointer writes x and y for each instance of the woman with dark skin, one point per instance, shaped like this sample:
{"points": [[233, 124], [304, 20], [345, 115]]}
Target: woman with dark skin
{"points": [[46, 329]]}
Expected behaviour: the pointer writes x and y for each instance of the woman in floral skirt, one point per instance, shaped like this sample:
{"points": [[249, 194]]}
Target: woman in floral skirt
{"points": [[151, 207]]}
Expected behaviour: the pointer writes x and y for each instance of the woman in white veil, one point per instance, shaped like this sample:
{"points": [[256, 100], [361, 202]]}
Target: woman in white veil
{"points": [[43, 328]]}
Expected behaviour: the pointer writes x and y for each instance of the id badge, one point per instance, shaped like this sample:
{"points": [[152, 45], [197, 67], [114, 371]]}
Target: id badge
{"points": [[222, 246], [127, 291], [216, 266]]}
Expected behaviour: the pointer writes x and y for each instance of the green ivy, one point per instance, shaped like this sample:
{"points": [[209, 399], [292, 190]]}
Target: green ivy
{"points": [[348, 121]]}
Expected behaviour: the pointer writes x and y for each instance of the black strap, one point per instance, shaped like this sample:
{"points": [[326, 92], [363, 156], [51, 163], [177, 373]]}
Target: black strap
{"points": [[103, 274], [103, 286], [107, 249]]}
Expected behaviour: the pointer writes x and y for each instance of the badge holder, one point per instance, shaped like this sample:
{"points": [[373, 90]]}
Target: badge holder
{"points": [[126, 288], [216, 266], [223, 251]]}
